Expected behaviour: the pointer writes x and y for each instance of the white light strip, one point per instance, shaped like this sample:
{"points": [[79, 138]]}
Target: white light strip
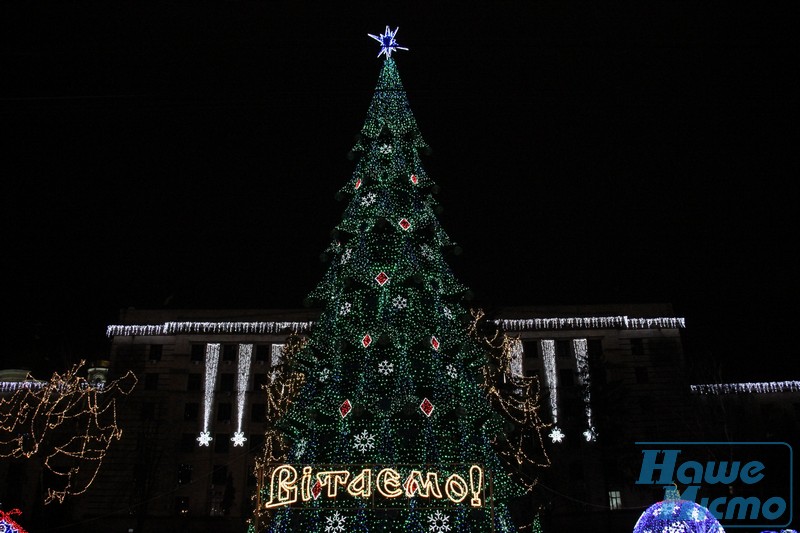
{"points": [[747, 388], [176, 328], [549, 356], [212, 362], [242, 377], [277, 354], [515, 363], [524, 324], [580, 347], [9, 386]]}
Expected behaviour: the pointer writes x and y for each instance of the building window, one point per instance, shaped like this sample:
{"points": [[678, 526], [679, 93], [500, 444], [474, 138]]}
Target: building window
{"points": [[224, 412], [530, 349], [190, 411], [614, 500], [263, 354], [566, 377], [256, 441], [563, 348], [151, 382], [222, 443], [219, 475], [641, 374], [226, 382], [148, 411], [188, 442], [184, 474], [193, 382], [637, 346], [229, 353], [198, 353], [182, 505], [258, 413], [155, 352]]}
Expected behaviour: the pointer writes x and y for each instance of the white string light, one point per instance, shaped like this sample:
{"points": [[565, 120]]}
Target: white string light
{"points": [[626, 322], [762, 387], [212, 362], [242, 377], [549, 356]]}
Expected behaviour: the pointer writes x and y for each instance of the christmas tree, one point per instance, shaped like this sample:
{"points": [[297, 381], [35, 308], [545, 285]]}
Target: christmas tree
{"points": [[391, 428]]}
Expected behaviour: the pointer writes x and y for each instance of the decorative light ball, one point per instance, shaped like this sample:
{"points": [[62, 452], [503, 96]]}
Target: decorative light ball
{"points": [[677, 516]]}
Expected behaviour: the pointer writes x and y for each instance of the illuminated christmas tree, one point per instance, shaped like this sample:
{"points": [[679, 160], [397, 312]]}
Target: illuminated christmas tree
{"points": [[392, 427]]}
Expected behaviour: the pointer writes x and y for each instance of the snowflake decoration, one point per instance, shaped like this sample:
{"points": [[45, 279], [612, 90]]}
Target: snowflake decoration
{"points": [[427, 251], [334, 523], [451, 371], [399, 302], [385, 149], [369, 199], [388, 44], [345, 308], [238, 438], [205, 438], [385, 368], [447, 312], [300, 448], [346, 255], [364, 441], [324, 375], [590, 435], [556, 435], [438, 522], [274, 375]]}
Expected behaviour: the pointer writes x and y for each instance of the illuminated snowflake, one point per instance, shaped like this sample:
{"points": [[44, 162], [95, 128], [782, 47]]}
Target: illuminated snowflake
{"points": [[300, 448], [369, 199], [400, 302], [590, 435], [448, 313], [334, 523], [273, 375], [364, 441], [238, 438], [438, 522], [385, 368], [427, 251], [346, 255], [324, 375], [385, 149], [345, 308], [205, 438], [556, 435], [451, 371]]}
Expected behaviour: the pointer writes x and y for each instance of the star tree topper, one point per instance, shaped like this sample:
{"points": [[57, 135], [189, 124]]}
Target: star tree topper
{"points": [[388, 44]]}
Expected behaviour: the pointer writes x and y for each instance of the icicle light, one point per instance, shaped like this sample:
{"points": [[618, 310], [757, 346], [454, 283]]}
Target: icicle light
{"points": [[515, 363], [550, 376], [762, 387], [625, 322], [580, 348], [212, 362], [242, 377], [184, 328]]}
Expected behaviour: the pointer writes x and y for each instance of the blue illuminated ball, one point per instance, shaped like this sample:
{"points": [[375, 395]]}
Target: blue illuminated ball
{"points": [[677, 516]]}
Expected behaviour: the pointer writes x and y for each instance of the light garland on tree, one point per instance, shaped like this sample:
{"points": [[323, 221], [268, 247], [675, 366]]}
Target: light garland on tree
{"points": [[69, 422]]}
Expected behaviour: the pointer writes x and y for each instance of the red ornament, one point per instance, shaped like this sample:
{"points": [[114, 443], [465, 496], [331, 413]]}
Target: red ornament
{"points": [[414, 179], [345, 408], [426, 406], [366, 341], [405, 224], [358, 183], [316, 489], [382, 278], [435, 343]]}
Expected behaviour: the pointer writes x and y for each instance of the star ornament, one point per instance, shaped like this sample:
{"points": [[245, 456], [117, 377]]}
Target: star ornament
{"points": [[388, 44]]}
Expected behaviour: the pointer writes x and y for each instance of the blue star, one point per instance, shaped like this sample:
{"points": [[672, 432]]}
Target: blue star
{"points": [[388, 44]]}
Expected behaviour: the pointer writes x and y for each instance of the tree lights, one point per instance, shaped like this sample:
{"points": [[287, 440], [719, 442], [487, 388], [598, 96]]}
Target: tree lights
{"points": [[391, 386]]}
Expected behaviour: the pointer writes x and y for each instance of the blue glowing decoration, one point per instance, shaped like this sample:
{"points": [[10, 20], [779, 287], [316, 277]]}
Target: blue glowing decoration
{"points": [[388, 44], [679, 516]]}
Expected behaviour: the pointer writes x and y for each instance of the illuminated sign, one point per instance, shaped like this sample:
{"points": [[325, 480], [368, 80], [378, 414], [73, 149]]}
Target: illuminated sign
{"points": [[287, 486]]}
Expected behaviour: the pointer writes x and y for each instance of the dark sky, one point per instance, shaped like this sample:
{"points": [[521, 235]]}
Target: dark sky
{"points": [[186, 154]]}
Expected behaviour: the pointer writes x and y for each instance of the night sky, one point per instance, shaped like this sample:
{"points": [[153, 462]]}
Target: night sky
{"points": [[186, 155]]}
